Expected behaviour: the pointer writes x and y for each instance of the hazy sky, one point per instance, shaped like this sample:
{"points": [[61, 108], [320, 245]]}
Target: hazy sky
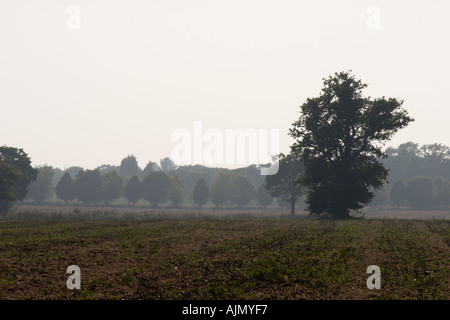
{"points": [[136, 71]]}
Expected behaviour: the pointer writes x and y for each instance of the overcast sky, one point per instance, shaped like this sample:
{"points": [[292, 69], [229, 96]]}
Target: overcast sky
{"points": [[136, 71]]}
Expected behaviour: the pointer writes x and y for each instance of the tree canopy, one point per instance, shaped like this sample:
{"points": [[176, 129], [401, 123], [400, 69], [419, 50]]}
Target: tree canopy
{"points": [[201, 193], [17, 172], [133, 190], [156, 187], [65, 189], [8, 178], [42, 187], [340, 135]]}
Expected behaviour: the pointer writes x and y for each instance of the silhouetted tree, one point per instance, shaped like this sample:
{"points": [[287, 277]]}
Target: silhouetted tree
{"points": [[133, 190], [42, 187], [263, 196], [201, 193], [8, 177], [129, 166], [89, 187], [21, 163], [151, 166], [65, 189], [338, 136], [421, 193], [167, 165], [285, 184], [242, 190], [156, 187], [112, 186]]}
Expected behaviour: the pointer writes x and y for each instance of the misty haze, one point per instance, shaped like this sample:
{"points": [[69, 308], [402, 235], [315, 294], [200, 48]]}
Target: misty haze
{"points": [[224, 150]]}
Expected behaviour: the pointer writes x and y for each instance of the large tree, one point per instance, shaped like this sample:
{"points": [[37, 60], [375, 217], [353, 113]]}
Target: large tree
{"points": [[285, 183], [340, 135]]}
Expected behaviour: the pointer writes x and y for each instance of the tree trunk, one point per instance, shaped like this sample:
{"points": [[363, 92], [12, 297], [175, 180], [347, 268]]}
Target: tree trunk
{"points": [[292, 208]]}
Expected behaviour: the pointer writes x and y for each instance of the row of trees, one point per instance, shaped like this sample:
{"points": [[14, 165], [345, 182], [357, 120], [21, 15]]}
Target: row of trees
{"points": [[93, 187], [421, 193], [158, 187], [162, 184], [336, 161]]}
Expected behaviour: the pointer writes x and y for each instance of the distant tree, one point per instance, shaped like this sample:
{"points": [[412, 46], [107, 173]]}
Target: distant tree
{"points": [[190, 178], [403, 162], [263, 196], [381, 198], [89, 187], [221, 189], [156, 187], [242, 190], [285, 184], [133, 190], [129, 166], [19, 160], [8, 177], [252, 172], [151, 166], [42, 187], [398, 193], [340, 136], [73, 171], [421, 193], [442, 187], [176, 191], [434, 156], [65, 189], [167, 165], [104, 168], [112, 186], [201, 193]]}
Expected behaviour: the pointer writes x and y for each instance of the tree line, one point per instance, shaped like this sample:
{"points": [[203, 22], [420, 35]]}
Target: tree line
{"points": [[159, 186], [162, 183], [336, 165]]}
